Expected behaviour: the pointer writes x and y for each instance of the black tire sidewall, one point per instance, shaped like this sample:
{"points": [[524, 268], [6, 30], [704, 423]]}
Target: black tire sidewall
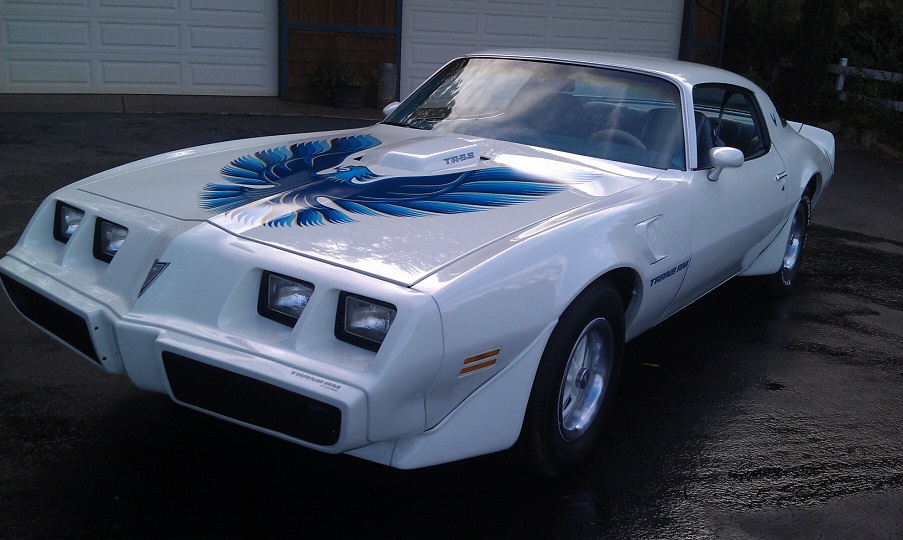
{"points": [[785, 278], [541, 446]]}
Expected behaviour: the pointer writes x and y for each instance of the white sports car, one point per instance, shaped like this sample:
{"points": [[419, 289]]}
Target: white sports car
{"points": [[457, 280]]}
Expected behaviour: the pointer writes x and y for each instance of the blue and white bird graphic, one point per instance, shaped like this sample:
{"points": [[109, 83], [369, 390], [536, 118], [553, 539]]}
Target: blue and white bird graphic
{"points": [[305, 184]]}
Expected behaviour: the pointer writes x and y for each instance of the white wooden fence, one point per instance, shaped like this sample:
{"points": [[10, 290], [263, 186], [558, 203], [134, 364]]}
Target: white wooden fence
{"points": [[842, 71]]}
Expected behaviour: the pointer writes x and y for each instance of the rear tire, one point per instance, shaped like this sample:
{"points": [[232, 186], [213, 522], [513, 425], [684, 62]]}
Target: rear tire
{"points": [[782, 281], [574, 385]]}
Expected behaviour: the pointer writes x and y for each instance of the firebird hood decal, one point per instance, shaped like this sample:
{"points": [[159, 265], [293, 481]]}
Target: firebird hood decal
{"points": [[338, 197], [304, 184]]}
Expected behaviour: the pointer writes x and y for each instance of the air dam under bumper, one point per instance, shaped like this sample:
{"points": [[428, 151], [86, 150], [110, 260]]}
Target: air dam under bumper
{"points": [[259, 404], [82, 324], [253, 391], [60, 322]]}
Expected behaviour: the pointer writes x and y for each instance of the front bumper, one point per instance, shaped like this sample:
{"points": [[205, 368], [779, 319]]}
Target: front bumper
{"points": [[255, 392], [195, 335]]}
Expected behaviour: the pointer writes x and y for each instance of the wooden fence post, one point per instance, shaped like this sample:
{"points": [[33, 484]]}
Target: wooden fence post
{"points": [[841, 77]]}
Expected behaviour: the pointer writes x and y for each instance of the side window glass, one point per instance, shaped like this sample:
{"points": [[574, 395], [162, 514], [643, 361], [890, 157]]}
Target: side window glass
{"points": [[734, 120], [738, 126]]}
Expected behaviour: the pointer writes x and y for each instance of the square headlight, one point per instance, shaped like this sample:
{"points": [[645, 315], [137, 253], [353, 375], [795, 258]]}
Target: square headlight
{"points": [[282, 298], [108, 238], [363, 321], [66, 220]]}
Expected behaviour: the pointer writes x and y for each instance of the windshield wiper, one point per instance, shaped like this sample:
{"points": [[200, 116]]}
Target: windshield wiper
{"points": [[402, 124]]}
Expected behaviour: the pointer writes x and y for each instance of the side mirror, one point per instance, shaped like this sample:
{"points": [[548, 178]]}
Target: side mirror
{"points": [[724, 156], [390, 108]]}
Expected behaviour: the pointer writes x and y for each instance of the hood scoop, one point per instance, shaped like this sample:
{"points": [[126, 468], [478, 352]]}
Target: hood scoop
{"points": [[424, 155]]}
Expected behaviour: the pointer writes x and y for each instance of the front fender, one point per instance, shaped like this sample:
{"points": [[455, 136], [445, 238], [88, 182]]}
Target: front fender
{"points": [[496, 302]]}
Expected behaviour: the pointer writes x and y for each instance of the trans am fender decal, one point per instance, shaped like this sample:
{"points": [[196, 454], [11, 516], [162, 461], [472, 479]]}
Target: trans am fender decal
{"points": [[665, 275], [304, 185]]}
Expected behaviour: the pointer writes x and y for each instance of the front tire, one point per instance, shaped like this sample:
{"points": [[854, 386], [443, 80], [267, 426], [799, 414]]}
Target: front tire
{"points": [[783, 280], [574, 385]]}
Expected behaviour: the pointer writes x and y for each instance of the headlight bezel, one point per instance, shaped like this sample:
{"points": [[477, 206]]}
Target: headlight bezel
{"points": [[265, 307], [61, 225], [103, 250], [349, 335]]}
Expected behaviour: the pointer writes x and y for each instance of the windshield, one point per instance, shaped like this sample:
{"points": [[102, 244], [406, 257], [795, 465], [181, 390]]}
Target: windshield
{"points": [[597, 112]]}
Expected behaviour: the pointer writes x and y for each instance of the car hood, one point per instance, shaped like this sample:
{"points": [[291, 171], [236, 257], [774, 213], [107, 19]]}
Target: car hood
{"points": [[390, 202]]}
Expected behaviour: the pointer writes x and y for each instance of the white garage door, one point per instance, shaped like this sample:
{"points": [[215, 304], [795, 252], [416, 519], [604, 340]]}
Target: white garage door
{"points": [[435, 31], [203, 47]]}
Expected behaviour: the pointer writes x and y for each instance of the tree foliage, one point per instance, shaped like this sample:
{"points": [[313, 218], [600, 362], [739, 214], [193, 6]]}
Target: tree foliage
{"points": [[872, 36], [766, 36]]}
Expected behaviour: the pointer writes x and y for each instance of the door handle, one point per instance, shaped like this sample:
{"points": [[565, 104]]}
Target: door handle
{"points": [[780, 177]]}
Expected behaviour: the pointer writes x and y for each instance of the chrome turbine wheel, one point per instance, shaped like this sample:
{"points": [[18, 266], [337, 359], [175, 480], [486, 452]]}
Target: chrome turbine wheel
{"points": [[585, 379], [797, 237], [783, 280]]}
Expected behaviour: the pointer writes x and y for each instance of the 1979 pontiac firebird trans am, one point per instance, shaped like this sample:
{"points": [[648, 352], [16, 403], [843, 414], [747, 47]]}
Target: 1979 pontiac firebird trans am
{"points": [[456, 280]]}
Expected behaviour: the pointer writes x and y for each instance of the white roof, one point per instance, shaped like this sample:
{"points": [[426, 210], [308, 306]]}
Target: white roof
{"points": [[688, 73]]}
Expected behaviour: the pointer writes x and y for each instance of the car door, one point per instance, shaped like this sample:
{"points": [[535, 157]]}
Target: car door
{"points": [[736, 216]]}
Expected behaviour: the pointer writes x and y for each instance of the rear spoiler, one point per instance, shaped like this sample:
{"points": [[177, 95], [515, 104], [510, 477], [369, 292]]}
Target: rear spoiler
{"points": [[822, 138]]}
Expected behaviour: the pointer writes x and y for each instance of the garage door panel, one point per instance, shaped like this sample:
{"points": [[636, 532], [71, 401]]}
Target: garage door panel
{"points": [[47, 34], [443, 22], [578, 31], [244, 7], [46, 73], [145, 5], [539, 5], [87, 11], [508, 27], [13, 6], [136, 74], [424, 53], [596, 6], [144, 36], [215, 76], [247, 41], [646, 36], [654, 8]]}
